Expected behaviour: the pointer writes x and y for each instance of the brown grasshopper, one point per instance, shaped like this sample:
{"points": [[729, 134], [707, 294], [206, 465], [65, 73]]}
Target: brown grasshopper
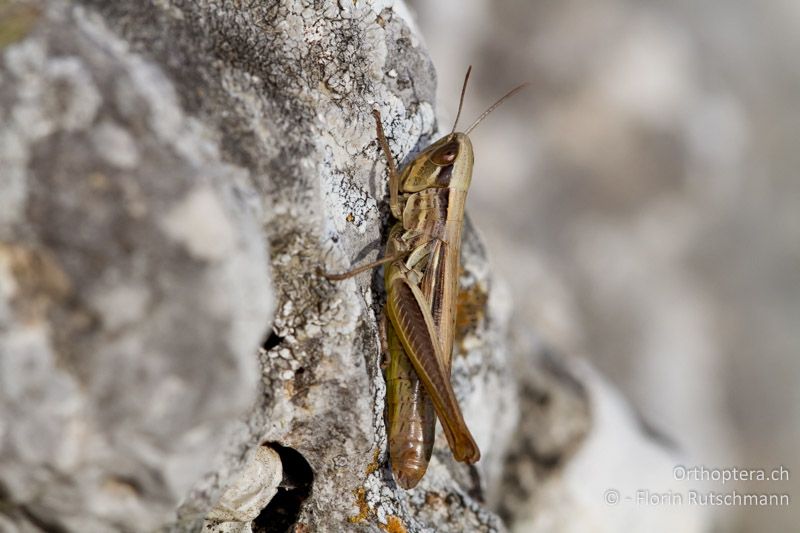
{"points": [[423, 252]]}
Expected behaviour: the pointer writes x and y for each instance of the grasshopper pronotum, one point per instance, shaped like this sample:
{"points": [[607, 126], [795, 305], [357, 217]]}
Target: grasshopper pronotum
{"points": [[423, 252]]}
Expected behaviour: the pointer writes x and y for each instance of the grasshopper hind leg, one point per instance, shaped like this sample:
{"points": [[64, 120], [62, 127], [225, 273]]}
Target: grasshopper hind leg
{"points": [[413, 324]]}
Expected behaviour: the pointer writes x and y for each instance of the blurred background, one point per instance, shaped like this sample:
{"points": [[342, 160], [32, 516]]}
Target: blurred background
{"points": [[642, 200]]}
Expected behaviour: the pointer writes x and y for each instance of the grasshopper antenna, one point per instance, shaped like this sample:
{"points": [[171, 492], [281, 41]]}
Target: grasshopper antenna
{"points": [[461, 100], [494, 106]]}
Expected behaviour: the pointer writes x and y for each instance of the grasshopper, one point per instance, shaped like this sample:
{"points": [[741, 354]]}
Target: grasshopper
{"points": [[427, 199]]}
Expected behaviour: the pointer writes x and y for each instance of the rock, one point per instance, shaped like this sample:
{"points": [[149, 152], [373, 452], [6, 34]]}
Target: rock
{"points": [[251, 492], [134, 283], [583, 460], [171, 173], [149, 154]]}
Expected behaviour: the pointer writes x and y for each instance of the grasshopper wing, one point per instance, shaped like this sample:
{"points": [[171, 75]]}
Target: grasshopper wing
{"points": [[414, 326]]}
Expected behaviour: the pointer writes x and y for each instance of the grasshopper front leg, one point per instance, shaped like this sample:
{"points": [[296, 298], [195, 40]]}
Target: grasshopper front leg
{"points": [[394, 175]]}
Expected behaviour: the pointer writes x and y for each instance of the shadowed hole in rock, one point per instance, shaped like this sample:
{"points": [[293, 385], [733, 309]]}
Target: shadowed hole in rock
{"points": [[542, 399], [283, 510], [272, 341], [476, 490]]}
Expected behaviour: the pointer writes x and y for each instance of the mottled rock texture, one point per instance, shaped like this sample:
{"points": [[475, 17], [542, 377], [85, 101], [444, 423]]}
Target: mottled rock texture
{"points": [[152, 152], [134, 280], [171, 173]]}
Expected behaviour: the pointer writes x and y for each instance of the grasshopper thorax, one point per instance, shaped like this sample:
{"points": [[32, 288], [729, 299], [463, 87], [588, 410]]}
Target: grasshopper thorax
{"points": [[445, 163]]}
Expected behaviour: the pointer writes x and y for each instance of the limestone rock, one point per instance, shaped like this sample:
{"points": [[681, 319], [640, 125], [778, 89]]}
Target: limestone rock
{"points": [[134, 282], [171, 172]]}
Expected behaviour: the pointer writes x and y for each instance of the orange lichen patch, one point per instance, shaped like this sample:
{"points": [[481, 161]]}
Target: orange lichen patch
{"points": [[16, 21], [363, 508], [393, 525], [301, 528], [119, 488], [373, 466], [350, 217], [99, 181], [40, 281], [434, 499], [470, 310]]}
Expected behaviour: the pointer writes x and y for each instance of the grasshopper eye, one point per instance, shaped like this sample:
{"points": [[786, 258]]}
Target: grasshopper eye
{"points": [[446, 155]]}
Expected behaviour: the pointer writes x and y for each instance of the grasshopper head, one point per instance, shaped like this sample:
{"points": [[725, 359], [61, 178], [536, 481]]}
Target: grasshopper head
{"points": [[445, 163]]}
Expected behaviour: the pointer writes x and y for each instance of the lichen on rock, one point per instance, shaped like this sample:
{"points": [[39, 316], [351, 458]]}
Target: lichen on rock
{"points": [[126, 355], [172, 172]]}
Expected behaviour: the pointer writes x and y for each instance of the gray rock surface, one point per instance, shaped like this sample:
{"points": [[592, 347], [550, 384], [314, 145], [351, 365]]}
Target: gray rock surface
{"points": [[134, 282], [171, 173], [149, 152], [567, 475]]}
